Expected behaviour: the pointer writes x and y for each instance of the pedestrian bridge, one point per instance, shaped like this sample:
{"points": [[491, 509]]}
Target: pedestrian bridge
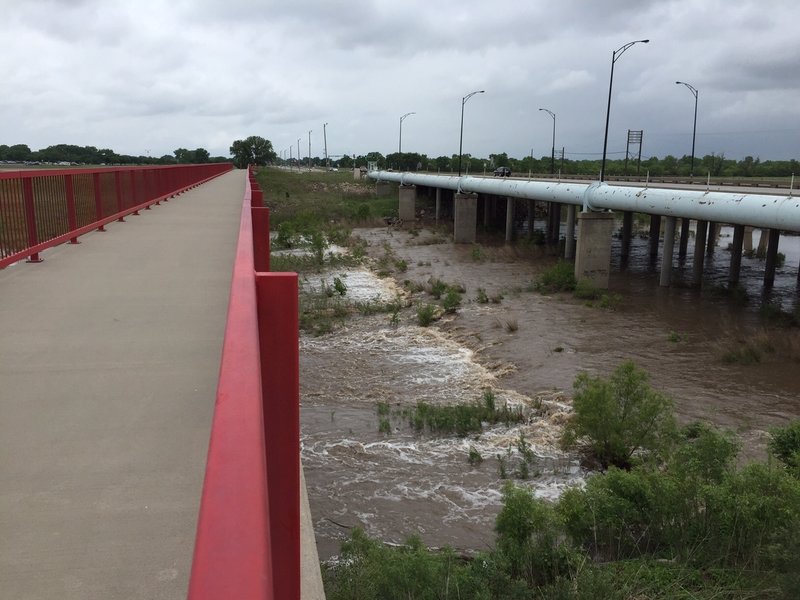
{"points": [[120, 358]]}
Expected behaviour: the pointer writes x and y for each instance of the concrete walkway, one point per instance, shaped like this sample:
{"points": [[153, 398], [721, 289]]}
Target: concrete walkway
{"points": [[109, 356]]}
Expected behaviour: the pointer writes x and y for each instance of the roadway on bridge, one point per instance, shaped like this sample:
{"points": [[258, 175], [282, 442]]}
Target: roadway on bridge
{"points": [[109, 356]]}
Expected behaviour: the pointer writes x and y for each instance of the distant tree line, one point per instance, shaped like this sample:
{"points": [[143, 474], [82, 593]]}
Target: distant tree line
{"points": [[714, 164], [89, 155]]}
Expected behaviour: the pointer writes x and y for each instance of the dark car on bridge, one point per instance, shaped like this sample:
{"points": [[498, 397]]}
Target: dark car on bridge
{"points": [[502, 172]]}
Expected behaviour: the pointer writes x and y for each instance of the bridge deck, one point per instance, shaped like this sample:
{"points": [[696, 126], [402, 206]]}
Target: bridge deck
{"points": [[109, 357]]}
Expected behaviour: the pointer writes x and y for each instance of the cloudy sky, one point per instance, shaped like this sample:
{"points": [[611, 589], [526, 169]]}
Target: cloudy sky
{"points": [[151, 76]]}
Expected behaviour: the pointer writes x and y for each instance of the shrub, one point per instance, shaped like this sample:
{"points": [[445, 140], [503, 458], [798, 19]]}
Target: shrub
{"points": [[437, 287], [784, 444], [482, 298], [452, 301], [529, 540], [559, 278], [615, 418], [474, 457], [426, 314], [339, 286]]}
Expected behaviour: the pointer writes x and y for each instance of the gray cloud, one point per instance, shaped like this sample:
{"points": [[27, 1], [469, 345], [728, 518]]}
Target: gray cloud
{"points": [[161, 74]]}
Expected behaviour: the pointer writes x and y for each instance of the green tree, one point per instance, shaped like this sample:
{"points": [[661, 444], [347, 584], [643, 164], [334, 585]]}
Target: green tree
{"points": [[201, 155], [253, 150], [617, 417]]}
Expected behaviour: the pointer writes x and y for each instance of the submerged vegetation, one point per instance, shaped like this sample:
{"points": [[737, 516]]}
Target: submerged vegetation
{"points": [[673, 515], [460, 419]]}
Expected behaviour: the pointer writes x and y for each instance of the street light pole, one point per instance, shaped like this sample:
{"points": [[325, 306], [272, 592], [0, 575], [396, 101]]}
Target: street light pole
{"points": [[325, 141], [614, 56], [694, 129], [461, 138], [299, 163], [553, 147], [309, 149], [400, 143]]}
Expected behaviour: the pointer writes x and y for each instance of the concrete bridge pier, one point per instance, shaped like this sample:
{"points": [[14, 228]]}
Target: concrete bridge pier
{"points": [[487, 210], [408, 202], [669, 247], [569, 247], [593, 254], [683, 245], [438, 204], [655, 235], [627, 234], [509, 219], [531, 219], [713, 235], [748, 239], [465, 218], [553, 222], [736, 254], [774, 237], [761, 251], [699, 252]]}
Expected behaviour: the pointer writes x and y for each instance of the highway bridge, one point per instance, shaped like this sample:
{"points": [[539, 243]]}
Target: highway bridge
{"points": [[467, 196]]}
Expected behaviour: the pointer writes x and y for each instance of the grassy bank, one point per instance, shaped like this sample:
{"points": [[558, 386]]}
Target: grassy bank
{"points": [[323, 197]]}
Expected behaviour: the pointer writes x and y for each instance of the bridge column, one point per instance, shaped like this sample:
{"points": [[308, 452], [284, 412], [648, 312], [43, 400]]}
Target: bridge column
{"points": [[655, 234], [531, 213], [684, 242], [772, 256], [666, 257], [593, 255], [553, 222], [713, 234], [699, 252], [736, 254], [627, 234], [408, 201], [438, 204], [509, 219], [761, 251], [486, 211], [465, 218], [569, 247]]}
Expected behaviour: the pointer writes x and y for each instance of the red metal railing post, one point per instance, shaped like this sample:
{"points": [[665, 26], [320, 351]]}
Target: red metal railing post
{"points": [[30, 218], [72, 215], [98, 200], [118, 190], [260, 217], [278, 333]]}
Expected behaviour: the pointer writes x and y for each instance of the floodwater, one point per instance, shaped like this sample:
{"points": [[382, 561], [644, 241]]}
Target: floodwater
{"points": [[528, 349]]}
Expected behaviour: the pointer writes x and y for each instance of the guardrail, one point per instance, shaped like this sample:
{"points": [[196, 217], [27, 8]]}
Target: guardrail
{"points": [[248, 531], [44, 208]]}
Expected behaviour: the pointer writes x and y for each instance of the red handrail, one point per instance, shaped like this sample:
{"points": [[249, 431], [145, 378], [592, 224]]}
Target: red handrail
{"points": [[41, 209], [248, 531]]}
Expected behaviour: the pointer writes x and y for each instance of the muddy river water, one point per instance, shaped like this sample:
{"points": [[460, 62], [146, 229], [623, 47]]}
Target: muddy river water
{"points": [[527, 349]]}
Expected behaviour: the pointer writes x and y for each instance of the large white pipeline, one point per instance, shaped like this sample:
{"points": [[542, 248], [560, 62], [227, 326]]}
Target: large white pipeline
{"points": [[755, 210]]}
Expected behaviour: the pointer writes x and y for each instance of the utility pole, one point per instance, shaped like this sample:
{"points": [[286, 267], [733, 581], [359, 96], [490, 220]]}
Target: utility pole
{"points": [[298, 155], [325, 141]]}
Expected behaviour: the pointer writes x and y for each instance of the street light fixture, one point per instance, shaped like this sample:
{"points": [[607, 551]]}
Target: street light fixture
{"points": [[400, 143], [461, 139], [614, 56], [553, 147], [694, 129]]}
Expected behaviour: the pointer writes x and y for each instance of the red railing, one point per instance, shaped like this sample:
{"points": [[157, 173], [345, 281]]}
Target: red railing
{"points": [[44, 208], [248, 531]]}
